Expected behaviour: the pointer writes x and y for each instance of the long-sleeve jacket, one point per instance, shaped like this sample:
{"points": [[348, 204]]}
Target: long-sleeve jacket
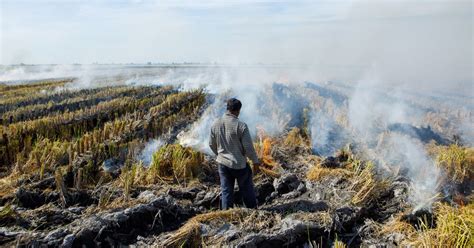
{"points": [[230, 140]]}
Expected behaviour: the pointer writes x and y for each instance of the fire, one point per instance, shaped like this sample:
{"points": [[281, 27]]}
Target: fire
{"points": [[265, 155], [264, 149]]}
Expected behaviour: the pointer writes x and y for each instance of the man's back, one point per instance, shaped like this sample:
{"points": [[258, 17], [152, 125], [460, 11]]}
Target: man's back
{"points": [[230, 140]]}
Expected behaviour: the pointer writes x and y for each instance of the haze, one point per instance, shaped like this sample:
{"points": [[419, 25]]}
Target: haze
{"points": [[404, 42]]}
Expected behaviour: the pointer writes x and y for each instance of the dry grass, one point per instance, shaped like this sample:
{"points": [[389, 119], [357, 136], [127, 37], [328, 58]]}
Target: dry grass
{"points": [[269, 172], [318, 173], [454, 228], [60, 186], [457, 161], [396, 225], [324, 217], [127, 179], [190, 233], [175, 162], [294, 142], [44, 157], [366, 185], [247, 220], [338, 243], [296, 138], [104, 198], [8, 184]]}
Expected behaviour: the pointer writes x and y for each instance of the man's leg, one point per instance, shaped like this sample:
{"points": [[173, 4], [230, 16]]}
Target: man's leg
{"points": [[245, 182], [227, 187]]}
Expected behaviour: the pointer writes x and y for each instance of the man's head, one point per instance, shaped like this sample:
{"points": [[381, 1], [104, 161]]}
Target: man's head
{"points": [[234, 106]]}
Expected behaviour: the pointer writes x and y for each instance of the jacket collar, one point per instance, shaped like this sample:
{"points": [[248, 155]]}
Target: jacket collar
{"points": [[228, 113]]}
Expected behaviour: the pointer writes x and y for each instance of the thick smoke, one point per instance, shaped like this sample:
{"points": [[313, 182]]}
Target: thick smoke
{"points": [[327, 136], [409, 155], [198, 135], [371, 111], [250, 85]]}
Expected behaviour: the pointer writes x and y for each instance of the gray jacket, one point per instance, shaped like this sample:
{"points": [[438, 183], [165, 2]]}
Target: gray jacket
{"points": [[230, 140]]}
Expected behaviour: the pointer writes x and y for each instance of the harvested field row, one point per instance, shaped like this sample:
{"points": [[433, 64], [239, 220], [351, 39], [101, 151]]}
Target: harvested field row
{"points": [[22, 136], [13, 91], [40, 97], [32, 112]]}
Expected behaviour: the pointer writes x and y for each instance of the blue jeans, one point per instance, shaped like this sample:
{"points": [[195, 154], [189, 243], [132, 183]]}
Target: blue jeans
{"points": [[244, 179]]}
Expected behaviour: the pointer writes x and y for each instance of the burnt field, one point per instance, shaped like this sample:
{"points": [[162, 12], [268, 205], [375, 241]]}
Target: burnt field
{"points": [[127, 163]]}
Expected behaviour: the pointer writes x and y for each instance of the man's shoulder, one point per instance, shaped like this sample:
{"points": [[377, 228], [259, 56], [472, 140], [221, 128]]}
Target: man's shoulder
{"points": [[241, 124], [217, 122]]}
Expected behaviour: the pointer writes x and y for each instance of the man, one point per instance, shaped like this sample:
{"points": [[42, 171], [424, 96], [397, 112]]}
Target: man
{"points": [[230, 140]]}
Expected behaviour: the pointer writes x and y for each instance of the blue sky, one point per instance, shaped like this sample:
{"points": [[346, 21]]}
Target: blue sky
{"points": [[413, 36]]}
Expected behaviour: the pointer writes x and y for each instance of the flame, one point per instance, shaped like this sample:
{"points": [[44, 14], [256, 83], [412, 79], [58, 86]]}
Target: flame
{"points": [[265, 156], [264, 149]]}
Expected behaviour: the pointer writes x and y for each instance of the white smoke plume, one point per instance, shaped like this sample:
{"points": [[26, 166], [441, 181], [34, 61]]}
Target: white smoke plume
{"points": [[410, 156], [198, 135], [19, 73], [147, 153], [326, 135], [371, 111], [258, 110]]}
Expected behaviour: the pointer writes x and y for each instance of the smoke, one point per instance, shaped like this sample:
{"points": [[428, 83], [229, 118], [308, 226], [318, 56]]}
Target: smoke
{"points": [[372, 109], [20, 73], [198, 135], [466, 131], [326, 135], [253, 86], [147, 152], [409, 155], [369, 108]]}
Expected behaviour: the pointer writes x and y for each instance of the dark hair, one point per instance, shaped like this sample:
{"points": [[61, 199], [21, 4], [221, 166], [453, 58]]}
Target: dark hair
{"points": [[233, 104]]}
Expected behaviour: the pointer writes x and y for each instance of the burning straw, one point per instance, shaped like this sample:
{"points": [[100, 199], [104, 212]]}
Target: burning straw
{"points": [[264, 151]]}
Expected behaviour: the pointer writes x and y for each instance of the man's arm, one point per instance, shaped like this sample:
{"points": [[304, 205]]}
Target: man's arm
{"points": [[213, 142], [248, 146]]}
